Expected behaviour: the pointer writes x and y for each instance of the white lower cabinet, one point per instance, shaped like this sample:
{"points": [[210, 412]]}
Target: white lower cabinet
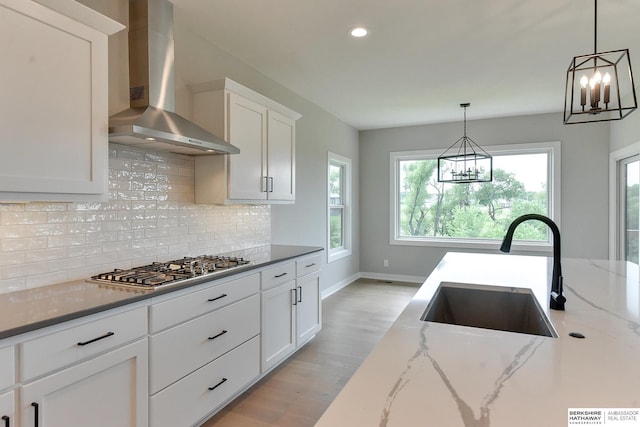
{"points": [[308, 312], [194, 397], [108, 390], [291, 312], [278, 324], [7, 409]]}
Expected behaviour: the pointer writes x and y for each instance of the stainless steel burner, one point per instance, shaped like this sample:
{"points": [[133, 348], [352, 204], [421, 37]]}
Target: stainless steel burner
{"points": [[163, 273]]}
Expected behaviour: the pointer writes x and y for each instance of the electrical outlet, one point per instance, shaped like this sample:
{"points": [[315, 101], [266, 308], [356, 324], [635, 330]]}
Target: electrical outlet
{"points": [[385, 263]]}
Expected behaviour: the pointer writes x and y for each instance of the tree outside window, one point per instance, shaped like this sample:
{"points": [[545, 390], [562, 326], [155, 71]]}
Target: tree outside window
{"points": [[430, 210], [336, 210]]}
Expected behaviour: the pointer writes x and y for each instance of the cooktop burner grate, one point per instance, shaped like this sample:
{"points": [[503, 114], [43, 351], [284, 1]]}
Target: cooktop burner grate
{"points": [[158, 274]]}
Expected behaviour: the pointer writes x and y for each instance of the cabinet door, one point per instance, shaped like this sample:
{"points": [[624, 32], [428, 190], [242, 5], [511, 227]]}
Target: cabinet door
{"points": [[281, 157], [308, 313], [247, 125], [109, 390], [278, 324], [7, 409], [54, 106]]}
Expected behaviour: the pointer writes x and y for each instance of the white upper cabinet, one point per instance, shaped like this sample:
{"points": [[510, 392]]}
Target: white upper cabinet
{"points": [[264, 171], [54, 103]]}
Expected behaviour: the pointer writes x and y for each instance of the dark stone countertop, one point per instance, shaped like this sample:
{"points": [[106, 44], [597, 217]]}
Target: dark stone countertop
{"points": [[31, 309]]}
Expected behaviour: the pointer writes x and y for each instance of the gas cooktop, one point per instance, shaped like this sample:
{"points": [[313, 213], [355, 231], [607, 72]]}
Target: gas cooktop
{"points": [[159, 274]]}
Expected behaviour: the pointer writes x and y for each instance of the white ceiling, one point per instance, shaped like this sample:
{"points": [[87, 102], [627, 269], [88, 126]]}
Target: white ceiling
{"points": [[422, 58]]}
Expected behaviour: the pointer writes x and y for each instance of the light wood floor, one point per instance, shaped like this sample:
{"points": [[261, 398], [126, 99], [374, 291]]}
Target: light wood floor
{"points": [[298, 392]]}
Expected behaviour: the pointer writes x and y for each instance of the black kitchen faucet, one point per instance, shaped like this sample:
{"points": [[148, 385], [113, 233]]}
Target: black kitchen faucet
{"points": [[557, 299]]}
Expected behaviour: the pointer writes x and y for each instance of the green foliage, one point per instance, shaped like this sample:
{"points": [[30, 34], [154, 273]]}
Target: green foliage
{"points": [[335, 229], [480, 210]]}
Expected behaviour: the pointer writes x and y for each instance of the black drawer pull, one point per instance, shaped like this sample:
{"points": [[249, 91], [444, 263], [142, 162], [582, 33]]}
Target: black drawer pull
{"points": [[219, 335], [222, 381], [36, 408], [310, 265], [300, 294], [7, 422], [107, 335], [217, 298], [295, 296], [280, 275]]}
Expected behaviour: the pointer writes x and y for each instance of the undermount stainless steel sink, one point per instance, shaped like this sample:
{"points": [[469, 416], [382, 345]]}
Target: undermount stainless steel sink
{"points": [[490, 307]]}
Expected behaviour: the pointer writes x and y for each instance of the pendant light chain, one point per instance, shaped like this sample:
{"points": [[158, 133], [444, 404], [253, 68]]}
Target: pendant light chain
{"points": [[595, 27], [465, 121]]}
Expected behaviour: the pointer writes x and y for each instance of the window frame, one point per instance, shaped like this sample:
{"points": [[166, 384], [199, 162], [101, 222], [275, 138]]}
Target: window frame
{"points": [[616, 204], [553, 194], [345, 250]]}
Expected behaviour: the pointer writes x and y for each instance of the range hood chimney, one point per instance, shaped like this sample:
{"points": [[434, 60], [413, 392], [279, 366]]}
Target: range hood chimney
{"points": [[151, 122]]}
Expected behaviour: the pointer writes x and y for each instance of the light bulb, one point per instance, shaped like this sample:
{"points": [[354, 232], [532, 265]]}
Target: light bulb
{"points": [[606, 79], [583, 81], [598, 76]]}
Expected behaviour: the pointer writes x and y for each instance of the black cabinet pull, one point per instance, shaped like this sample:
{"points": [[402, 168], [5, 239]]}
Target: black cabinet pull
{"points": [[310, 265], [107, 335], [280, 275], [217, 298], [300, 294], [219, 335], [295, 296], [36, 408], [7, 422], [222, 381]]}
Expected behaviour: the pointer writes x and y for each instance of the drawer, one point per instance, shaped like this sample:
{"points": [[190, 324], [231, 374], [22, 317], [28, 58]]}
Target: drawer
{"points": [[308, 265], [7, 367], [180, 350], [274, 276], [205, 390], [177, 310], [76, 343]]}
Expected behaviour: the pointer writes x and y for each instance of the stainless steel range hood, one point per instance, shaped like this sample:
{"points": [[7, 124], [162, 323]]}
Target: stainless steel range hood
{"points": [[151, 122]]}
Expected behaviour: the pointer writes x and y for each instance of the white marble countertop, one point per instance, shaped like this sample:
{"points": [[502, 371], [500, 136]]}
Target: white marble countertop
{"points": [[434, 374]]}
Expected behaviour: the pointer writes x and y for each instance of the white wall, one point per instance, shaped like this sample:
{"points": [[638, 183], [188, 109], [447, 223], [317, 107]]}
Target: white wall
{"points": [[584, 189], [625, 132]]}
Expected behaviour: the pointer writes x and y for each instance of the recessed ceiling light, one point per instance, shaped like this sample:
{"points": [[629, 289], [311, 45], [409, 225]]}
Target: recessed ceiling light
{"points": [[358, 32]]}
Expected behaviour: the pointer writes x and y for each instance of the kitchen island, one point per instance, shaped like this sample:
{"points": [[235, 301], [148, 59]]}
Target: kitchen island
{"points": [[436, 374]]}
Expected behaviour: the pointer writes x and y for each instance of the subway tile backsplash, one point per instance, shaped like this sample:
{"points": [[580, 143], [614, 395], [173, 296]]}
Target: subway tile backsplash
{"points": [[150, 216]]}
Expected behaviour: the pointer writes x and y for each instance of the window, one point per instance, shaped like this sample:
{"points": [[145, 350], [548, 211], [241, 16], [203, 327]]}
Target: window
{"points": [[427, 212], [624, 204], [339, 207]]}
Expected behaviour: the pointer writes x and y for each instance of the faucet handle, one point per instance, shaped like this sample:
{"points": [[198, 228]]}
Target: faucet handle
{"points": [[557, 301]]}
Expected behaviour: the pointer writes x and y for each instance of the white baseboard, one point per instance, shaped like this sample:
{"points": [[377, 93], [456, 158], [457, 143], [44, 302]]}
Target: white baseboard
{"points": [[373, 276], [336, 287], [393, 277]]}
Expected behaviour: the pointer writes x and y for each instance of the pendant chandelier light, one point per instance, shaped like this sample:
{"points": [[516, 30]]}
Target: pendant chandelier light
{"points": [[465, 161], [600, 85]]}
